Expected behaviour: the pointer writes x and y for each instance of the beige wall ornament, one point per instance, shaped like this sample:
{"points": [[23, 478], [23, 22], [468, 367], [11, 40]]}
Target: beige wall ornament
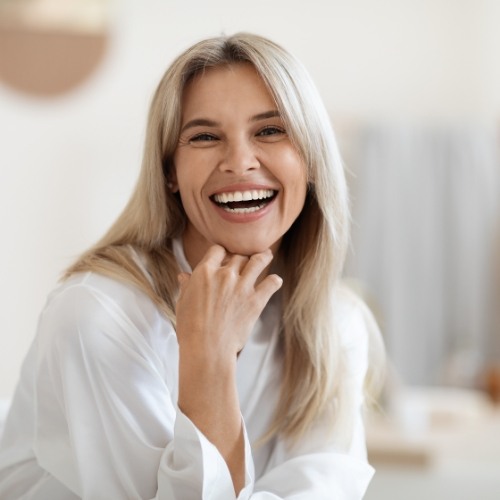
{"points": [[49, 47]]}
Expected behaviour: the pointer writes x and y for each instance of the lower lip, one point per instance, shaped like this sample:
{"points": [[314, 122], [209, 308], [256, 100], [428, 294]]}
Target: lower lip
{"points": [[244, 217]]}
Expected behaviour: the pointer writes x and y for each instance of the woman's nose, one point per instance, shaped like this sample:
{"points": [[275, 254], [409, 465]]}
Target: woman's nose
{"points": [[239, 157]]}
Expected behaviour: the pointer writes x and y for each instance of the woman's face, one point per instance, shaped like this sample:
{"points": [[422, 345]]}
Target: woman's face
{"points": [[242, 183]]}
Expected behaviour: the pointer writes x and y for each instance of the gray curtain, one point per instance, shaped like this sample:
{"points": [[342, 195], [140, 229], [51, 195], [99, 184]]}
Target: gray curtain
{"points": [[426, 218]]}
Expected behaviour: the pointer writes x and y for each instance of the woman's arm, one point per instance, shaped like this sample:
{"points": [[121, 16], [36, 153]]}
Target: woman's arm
{"points": [[108, 426], [216, 311]]}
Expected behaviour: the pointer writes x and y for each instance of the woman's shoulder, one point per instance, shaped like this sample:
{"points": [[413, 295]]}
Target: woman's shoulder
{"points": [[89, 307], [91, 288], [356, 324], [360, 335], [353, 317]]}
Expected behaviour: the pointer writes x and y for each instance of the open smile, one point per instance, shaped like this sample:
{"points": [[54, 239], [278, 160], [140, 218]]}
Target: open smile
{"points": [[244, 202]]}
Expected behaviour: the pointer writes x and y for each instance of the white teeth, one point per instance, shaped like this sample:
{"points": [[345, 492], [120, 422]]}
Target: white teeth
{"points": [[243, 210], [256, 194]]}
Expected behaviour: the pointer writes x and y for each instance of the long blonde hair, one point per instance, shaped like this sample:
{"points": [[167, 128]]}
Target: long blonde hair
{"points": [[313, 250]]}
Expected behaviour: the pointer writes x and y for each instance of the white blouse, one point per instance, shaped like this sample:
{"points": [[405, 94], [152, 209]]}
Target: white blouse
{"points": [[95, 412]]}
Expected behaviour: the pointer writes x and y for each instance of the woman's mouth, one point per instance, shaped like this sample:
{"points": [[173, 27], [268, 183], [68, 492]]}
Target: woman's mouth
{"points": [[244, 202]]}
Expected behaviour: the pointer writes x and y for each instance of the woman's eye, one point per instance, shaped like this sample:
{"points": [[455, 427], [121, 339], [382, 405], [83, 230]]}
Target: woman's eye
{"points": [[203, 138], [270, 131]]}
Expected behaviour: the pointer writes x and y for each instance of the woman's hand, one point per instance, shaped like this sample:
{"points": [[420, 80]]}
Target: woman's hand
{"points": [[218, 305], [220, 302]]}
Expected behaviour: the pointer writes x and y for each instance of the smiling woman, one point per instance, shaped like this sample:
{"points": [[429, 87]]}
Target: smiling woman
{"points": [[205, 347], [233, 142]]}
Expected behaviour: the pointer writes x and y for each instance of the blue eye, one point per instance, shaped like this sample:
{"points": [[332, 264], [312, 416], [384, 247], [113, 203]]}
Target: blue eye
{"points": [[267, 131], [203, 138]]}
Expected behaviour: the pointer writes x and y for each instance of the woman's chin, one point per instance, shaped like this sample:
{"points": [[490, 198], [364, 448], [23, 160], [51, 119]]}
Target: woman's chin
{"points": [[249, 248]]}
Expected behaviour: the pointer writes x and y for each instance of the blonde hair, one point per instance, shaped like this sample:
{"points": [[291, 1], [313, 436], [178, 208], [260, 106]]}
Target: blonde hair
{"points": [[313, 250]]}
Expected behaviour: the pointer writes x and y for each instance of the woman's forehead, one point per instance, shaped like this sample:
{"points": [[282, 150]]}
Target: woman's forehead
{"points": [[239, 84]]}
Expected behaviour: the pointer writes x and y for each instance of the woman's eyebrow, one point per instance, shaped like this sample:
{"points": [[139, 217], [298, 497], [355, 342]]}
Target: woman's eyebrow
{"points": [[200, 122], [274, 113], [205, 122]]}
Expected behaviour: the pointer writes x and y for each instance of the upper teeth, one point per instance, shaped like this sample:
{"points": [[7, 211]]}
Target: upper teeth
{"points": [[255, 194]]}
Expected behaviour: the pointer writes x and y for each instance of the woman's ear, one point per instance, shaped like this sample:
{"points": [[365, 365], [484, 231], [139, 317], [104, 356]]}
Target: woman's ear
{"points": [[171, 177], [172, 185]]}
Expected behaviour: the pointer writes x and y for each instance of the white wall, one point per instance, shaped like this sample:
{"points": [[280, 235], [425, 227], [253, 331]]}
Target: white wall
{"points": [[69, 164]]}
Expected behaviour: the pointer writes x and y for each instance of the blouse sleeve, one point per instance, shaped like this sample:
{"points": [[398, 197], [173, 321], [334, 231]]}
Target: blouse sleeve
{"points": [[323, 473], [320, 466], [107, 425]]}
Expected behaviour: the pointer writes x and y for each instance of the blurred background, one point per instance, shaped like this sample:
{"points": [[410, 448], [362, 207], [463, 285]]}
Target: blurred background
{"points": [[413, 89]]}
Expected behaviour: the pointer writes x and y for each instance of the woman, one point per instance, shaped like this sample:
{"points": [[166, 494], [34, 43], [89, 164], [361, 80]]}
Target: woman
{"points": [[167, 364]]}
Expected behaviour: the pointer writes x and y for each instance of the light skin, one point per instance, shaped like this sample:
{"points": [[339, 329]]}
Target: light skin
{"points": [[242, 184]]}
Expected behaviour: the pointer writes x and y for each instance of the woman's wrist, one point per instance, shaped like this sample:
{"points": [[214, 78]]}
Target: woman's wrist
{"points": [[206, 381]]}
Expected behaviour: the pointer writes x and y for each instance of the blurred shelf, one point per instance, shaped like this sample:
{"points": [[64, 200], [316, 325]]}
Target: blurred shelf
{"points": [[436, 444]]}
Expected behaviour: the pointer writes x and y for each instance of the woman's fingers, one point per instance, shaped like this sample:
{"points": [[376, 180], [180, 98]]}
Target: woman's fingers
{"points": [[256, 265], [218, 257], [249, 268], [183, 279], [235, 263], [221, 300], [214, 257], [269, 285]]}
